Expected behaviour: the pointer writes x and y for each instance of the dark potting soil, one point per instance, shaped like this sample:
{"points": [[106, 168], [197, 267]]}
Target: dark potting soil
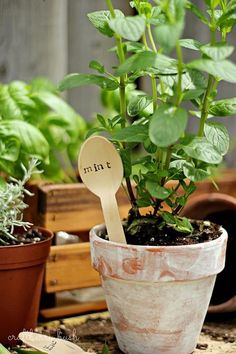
{"points": [[29, 236], [147, 232]]}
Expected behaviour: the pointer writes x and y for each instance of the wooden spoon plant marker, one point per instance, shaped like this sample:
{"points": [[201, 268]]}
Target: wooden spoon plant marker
{"points": [[48, 344], [101, 170]]}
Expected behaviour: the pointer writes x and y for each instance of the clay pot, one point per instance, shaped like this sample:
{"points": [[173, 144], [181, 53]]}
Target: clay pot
{"points": [[157, 295], [221, 209], [21, 277]]}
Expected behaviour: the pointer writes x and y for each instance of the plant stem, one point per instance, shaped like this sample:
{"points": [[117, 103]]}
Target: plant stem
{"points": [[180, 68], [206, 99], [151, 38], [122, 88]]}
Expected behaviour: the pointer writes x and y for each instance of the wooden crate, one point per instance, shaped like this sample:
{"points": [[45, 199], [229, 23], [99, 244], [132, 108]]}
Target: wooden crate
{"points": [[72, 208]]}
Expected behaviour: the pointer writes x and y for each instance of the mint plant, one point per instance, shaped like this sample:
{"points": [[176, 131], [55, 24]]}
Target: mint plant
{"points": [[150, 44]]}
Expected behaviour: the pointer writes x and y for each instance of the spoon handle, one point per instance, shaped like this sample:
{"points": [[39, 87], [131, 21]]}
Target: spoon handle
{"points": [[112, 219]]}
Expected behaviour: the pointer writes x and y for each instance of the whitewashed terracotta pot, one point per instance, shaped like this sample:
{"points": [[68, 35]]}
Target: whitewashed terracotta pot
{"points": [[157, 295]]}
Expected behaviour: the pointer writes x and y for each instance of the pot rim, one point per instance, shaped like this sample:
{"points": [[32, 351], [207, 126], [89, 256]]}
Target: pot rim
{"points": [[32, 244], [207, 244]]}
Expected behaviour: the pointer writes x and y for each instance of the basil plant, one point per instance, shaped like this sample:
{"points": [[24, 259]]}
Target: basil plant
{"points": [[149, 45]]}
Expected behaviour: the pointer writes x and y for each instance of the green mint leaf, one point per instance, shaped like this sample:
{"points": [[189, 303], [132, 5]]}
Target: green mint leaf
{"points": [[167, 35], [193, 173], [167, 125], [100, 20], [190, 43], [201, 149], [157, 191], [223, 108], [224, 69], [134, 133], [217, 52], [94, 64], [197, 12], [130, 28], [218, 136], [145, 60], [138, 104], [76, 80]]}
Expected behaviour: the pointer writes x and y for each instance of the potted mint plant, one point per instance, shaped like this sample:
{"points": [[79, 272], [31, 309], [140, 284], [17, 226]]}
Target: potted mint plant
{"points": [[23, 254], [158, 285]]}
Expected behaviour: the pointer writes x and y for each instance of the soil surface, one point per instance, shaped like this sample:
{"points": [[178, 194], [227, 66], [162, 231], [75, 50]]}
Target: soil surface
{"points": [[92, 331], [149, 231], [26, 237]]}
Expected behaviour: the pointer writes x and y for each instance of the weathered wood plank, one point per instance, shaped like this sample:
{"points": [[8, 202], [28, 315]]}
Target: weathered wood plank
{"points": [[33, 39]]}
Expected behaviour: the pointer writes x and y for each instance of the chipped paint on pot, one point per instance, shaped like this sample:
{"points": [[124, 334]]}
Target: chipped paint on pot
{"points": [[157, 295]]}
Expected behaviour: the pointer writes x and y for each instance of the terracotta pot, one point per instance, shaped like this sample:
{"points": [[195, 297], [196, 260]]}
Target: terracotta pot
{"points": [[21, 277], [221, 209], [157, 296]]}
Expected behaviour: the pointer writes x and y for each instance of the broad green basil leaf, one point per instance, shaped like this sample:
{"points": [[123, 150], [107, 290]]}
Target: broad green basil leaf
{"points": [[144, 60], [149, 146], [100, 21], [69, 116], [14, 99], [138, 104], [94, 64], [131, 28], [223, 108], [183, 225], [133, 133], [9, 148], [76, 80], [224, 69], [217, 52], [190, 43], [167, 125], [31, 139], [201, 149], [157, 191], [218, 136]]}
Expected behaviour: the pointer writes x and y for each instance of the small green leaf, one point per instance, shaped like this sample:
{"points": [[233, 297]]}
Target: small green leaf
{"points": [[201, 149], [217, 52], [218, 136], [157, 191], [138, 104], [223, 108], [100, 21], [145, 60], [130, 27], [76, 80], [105, 349], [94, 64], [192, 94], [193, 173], [224, 69], [167, 125], [134, 133], [190, 43], [167, 35], [197, 12]]}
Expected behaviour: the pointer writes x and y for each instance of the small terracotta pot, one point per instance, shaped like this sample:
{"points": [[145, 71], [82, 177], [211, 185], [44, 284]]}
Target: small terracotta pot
{"points": [[221, 209], [157, 295], [21, 277]]}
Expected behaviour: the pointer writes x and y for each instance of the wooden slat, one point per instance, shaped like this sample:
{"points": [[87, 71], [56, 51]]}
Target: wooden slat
{"points": [[61, 311], [69, 267]]}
